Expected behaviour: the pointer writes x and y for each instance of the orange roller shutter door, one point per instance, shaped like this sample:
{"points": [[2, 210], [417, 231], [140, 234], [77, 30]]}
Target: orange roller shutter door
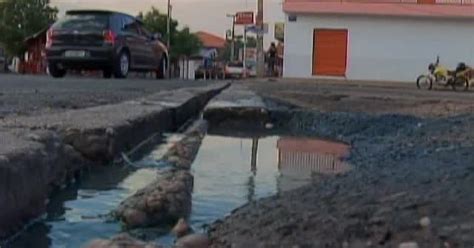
{"points": [[330, 52]]}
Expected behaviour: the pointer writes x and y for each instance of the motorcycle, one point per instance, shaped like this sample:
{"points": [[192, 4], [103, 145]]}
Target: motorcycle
{"points": [[441, 75]]}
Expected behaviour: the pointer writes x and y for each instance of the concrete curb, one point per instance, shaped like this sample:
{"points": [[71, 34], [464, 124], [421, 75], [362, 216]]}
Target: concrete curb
{"points": [[40, 152], [238, 104]]}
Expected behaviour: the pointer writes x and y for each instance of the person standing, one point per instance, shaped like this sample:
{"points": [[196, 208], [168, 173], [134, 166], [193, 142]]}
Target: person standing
{"points": [[271, 54]]}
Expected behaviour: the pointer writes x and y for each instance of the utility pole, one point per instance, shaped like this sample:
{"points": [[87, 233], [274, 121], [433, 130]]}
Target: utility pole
{"points": [[232, 48], [260, 52], [168, 40], [245, 51]]}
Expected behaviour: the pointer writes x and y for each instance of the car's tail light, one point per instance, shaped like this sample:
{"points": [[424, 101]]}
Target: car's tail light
{"points": [[49, 38], [109, 37]]}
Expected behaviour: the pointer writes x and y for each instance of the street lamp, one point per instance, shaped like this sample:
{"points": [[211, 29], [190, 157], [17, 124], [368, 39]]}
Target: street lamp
{"points": [[232, 48], [168, 40]]}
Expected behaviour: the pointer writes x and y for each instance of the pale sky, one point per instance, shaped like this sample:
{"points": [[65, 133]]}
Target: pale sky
{"points": [[206, 15]]}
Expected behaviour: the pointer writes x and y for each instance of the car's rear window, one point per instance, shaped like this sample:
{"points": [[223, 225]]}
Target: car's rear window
{"points": [[83, 21]]}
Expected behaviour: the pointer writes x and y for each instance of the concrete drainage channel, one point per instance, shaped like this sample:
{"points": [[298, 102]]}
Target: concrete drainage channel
{"points": [[41, 154], [184, 178]]}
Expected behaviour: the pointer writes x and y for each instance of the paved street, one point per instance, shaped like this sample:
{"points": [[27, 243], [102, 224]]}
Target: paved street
{"points": [[375, 97], [26, 95]]}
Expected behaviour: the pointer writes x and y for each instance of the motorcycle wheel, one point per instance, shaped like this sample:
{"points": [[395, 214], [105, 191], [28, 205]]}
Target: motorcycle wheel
{"points": [[424, 82], [460, 83]]}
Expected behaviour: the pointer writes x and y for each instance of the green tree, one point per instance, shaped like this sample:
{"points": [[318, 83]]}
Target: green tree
{"points": [[22, 18], [187, 44], [183, 43], [156, 22]]}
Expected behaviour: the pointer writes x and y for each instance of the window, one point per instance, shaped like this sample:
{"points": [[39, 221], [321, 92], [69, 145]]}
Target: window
{"points": [[84, 21], [130, 25], [117, 23], [144, 32]]}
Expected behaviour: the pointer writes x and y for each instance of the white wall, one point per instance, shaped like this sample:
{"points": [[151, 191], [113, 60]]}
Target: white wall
{"points": [[187, 69], [382, 48]]}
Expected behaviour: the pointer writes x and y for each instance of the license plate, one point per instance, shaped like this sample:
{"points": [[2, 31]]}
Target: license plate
{"points": [[77, 54]]}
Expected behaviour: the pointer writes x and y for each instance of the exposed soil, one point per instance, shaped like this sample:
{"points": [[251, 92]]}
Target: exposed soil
{"points": [[411, 184]]}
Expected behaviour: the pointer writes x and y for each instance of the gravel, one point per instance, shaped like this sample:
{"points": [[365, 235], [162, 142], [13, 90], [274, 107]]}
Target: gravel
{"points": [[404, 169]]}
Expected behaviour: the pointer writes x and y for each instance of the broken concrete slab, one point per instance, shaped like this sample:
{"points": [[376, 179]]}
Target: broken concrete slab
{"points": [[237, 104], [236, 96], [38, 153], [99, 133], [31, 164]]}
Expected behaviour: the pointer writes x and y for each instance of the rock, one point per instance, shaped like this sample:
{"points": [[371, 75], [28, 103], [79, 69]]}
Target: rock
{"points": [[193, 241], [99, 243], [181, 228], [167, 198], [408, 245], [425, 222], [33, 137], [110, 131], [154, 202], [134, 217], [122, 240]]}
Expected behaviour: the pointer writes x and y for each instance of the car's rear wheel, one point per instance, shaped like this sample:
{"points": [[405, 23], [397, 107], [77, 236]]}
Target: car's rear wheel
{"points": [[55, 71], [161, 72], [122, 65]]}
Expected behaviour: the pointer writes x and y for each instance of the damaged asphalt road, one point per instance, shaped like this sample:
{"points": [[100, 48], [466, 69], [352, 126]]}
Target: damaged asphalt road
{"points": [[30, 95], [43, 152], [411, 183]]}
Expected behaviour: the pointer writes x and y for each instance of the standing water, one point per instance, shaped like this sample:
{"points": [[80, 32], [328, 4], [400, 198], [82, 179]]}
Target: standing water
{"points": [[228, 173]]}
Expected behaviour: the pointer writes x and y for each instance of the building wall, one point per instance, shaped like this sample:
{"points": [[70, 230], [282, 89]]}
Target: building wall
{"points": [[187, 69], [382, 48]]}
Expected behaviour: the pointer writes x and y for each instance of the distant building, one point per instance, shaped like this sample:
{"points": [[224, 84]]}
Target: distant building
{"points": [[212, 45], [35, 57], [386, 40]]}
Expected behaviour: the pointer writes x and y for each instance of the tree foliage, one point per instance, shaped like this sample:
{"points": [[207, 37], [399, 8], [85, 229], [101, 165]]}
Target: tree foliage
{"points": [[187, 43], [183, 42], [20, 19], [156, 22]]}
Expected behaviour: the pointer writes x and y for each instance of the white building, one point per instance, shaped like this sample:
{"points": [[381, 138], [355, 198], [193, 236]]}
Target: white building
{"points": [[383, 40], [212, 45]]}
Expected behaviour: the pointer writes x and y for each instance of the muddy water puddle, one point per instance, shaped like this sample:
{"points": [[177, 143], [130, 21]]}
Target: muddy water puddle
{"points": [[228, 173]]}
